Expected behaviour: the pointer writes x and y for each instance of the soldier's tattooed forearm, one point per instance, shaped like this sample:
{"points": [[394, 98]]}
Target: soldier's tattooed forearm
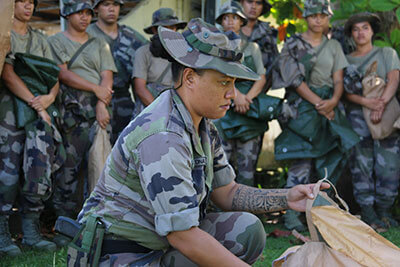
{"points": [[257, 200]]}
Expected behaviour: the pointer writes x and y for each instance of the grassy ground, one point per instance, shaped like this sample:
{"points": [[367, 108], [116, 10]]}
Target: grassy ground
{"points": [[274, 248]]}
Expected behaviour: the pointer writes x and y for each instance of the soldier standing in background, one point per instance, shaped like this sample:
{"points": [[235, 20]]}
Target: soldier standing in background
{"points": [[261, 32], [123, 41], [373, 157], [27, 151], [86, 78], [153, 74]]}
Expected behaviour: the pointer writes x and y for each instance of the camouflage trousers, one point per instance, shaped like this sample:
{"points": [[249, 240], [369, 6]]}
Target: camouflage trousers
{"points": [[77, 143], [241, 233], [243, 157], [31, 154], [299, 172], [379, 158], [122, 110]]}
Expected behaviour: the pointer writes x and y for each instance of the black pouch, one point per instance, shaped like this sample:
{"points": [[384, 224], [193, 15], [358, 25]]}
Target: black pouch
{"points": [[85, 248]]}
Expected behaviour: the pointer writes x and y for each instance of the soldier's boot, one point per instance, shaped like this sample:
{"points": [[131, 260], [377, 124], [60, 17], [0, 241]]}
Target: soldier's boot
{"points": [[369, 216], [32, 236], [386, 217], [292, 221], [7, 246]]}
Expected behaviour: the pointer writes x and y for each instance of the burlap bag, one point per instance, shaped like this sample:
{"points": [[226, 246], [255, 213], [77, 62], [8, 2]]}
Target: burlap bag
{"points": [[373, 86], [347, 240], [6, 15], [98, 153]]}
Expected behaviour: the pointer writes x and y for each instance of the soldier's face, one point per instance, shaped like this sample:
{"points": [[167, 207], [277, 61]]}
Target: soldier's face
{"points": [[212, 94], [318, 22], [231, 22], [252, 8], [108, 11], [362, 33], [80, 20], [23, 10]]}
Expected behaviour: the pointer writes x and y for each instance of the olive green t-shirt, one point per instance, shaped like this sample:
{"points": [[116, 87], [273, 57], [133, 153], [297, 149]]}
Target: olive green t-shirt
{"points": [[150, 68], [94, 59], [252, 49], [329, 60], [387, 61], [36, 41]]}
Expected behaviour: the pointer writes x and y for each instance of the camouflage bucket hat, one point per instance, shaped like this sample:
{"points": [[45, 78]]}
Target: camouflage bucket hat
{"points": [[73, 6], [96, 2], [165, 17], [372, 18], [312, 7], [231, 7], [203, 46]]}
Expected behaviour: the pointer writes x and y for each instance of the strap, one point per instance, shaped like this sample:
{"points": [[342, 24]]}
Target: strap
{"points": [[319, 52], [29, 44], [79, 51], [368, 59], [310, 202], [97, 254], [90, 232], [161, 77]]}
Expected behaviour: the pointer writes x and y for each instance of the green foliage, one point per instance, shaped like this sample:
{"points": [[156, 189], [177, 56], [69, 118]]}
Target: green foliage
{"points": [[287, 14]]}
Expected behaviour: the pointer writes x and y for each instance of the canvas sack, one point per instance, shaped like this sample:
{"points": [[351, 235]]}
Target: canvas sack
{"points": [[98, 153], [341, 239], [373, 86]]}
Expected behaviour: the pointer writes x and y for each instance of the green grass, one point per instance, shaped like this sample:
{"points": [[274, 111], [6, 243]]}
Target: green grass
{"points": [[274, 248]]}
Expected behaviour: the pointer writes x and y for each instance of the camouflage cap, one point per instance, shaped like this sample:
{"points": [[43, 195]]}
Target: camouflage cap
{"points": [[96, 2], [165, 17], [312, 7], [372, 18], [203, 46], [231, 7], [73, 6]]}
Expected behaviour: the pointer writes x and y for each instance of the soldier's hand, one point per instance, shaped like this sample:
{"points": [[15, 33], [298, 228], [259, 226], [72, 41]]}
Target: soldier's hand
{"points": [[376, 116], [41, 102], [373, 103], [102, 115], [45, 116], [297, 196], [242, 105], [104, 94], [326, 105]]}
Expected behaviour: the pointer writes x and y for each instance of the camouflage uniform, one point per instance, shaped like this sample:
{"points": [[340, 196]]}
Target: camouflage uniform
{"points": [[77, 107], [160, 173], [373, 157], [33, 148], [174, 185], [123, 49], [155, 71], [243, 154]]}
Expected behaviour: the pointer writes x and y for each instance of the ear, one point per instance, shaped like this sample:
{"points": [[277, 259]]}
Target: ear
{"points": [[189, 78]]}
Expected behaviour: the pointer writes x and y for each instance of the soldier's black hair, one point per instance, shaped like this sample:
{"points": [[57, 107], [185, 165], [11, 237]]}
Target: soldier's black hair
{"points": [[158, 50]]}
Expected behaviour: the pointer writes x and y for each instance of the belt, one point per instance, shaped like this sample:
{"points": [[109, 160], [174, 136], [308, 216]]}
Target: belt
{"points": [[113, 246]]}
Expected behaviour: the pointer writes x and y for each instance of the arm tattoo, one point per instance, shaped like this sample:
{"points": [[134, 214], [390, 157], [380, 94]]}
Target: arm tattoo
{"points": [[256, 200]]}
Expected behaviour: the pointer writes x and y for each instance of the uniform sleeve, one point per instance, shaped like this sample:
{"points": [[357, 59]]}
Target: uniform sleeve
{"points": [[107, 61], [58, 50], [141, 64], [391, 59], [340, 61], [287, 72], [257, 57], [165, 162], [46, 49], [223, 171]]}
